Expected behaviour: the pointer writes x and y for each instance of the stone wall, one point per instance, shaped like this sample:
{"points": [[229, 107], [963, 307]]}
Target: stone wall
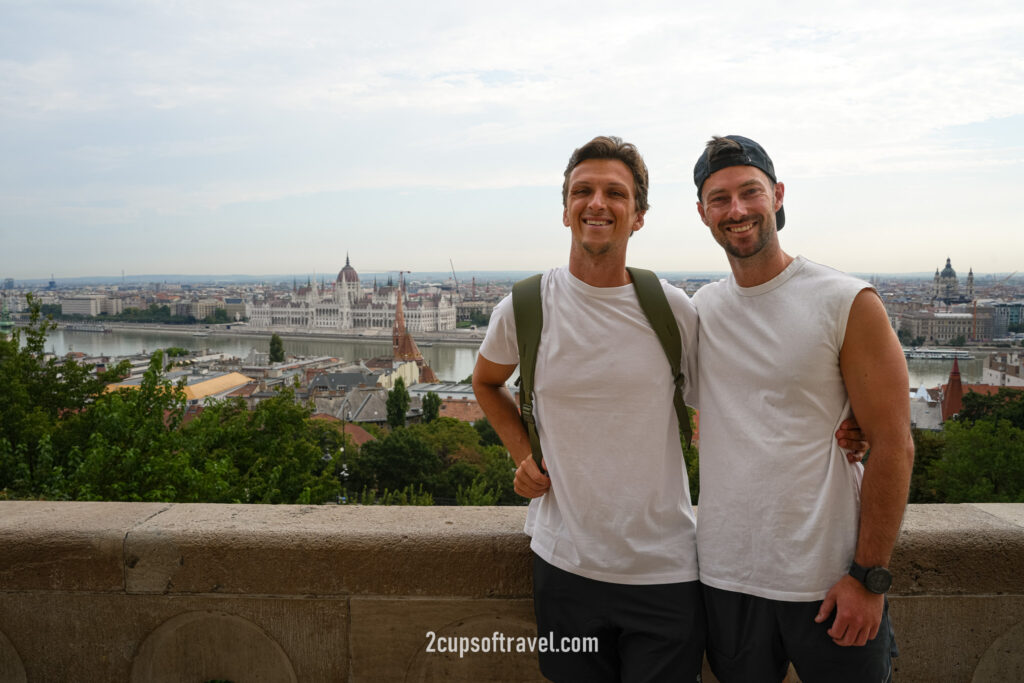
{"points": [[157, 592]]}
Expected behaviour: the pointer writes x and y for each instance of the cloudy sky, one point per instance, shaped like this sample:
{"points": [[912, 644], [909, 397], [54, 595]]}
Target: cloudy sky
{"points": [[275, 137]]}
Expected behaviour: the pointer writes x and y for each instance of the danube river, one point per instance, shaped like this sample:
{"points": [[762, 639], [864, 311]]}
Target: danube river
{"points": [[451, 361]]}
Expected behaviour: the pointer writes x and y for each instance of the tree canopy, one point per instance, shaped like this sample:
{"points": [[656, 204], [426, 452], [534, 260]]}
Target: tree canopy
{"points": [[65, 436]]}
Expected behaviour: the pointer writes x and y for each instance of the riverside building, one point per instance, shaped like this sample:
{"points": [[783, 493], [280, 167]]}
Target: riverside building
{"points": [[347, 305]]}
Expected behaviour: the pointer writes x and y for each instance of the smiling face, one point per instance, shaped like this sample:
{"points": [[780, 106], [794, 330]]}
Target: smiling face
{"points": [[600, 207], [739, 203]]}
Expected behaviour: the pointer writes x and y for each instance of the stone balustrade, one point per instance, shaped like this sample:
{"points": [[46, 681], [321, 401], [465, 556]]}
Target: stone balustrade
{"points": [[153, 592]]}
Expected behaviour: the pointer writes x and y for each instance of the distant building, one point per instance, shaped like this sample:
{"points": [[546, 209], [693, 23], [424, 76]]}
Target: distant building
{"points": [[947, 286], [943, 328], [1006, 315], [1004, 368], [347, 306], [6, 324], [91, 305]]}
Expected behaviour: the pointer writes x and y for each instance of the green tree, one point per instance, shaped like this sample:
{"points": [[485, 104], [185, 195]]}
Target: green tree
{"points": [[448, 437], [981, 463], [488, 437], [692, 459], [128, 446], [396, 461], [1006, 404], [477, 493], [38, 394], [276, 349], [431, 406], [398, 404], [928, 448]]}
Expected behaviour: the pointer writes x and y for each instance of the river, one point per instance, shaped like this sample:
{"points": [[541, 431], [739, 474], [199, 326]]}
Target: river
{"points": [[450, 361]]}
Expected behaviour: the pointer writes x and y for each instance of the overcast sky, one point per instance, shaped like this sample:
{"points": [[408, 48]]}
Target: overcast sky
{"points": [[275, 137]]}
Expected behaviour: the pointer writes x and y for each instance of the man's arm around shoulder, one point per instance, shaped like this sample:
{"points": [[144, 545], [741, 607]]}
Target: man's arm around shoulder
{"points": [[875, 373]]}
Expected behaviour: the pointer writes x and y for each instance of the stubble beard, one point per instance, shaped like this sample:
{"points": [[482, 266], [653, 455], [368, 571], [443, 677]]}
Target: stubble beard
{"points": [[765, 226]]}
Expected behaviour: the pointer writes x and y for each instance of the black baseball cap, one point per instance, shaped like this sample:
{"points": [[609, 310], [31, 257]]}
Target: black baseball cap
{"points": [[749, 154]]}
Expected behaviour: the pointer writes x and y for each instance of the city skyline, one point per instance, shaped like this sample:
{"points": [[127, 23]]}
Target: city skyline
{"points": [[262, 138]]}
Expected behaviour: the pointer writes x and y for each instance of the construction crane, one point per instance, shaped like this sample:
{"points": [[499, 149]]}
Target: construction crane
{"points": [[453, 275]]}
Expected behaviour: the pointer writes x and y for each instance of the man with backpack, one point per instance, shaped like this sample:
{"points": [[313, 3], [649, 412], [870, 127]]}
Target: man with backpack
{"points": [[612, 527]]}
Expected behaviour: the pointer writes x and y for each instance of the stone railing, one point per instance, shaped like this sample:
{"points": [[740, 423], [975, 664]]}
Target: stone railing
{"points": [[156, 592]]}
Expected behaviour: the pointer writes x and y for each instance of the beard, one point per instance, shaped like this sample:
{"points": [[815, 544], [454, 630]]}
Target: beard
{"points": [[763, 225]]}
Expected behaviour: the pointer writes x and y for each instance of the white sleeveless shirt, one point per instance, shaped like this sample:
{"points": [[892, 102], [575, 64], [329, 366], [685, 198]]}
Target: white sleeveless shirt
{"points": [[779, 504]]}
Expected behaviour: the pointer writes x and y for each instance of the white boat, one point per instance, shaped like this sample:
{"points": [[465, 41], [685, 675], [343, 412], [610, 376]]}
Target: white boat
{"points": [[938, 354]]}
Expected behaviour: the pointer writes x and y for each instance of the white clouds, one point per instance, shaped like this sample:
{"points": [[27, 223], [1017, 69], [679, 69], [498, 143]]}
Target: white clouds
{"points": [[150, 109]]}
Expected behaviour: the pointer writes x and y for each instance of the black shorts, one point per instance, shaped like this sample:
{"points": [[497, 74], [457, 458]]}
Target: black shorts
{"points": [[754, 639], [643, 633]]}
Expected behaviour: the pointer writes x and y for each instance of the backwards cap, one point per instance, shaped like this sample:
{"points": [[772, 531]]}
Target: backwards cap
{"points": [[749, 154]]}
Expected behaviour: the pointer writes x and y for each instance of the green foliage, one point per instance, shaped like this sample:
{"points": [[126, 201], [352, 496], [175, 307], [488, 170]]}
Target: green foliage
{"points": [[907, 340], [219, 316], [488, 437], [928, 448], [176, 352], [983, 462], [396, 461], [1006, 404], [64, 436], [431, 406], [398, 404], [692, 458], [410, 495], [958, 341], [446, 436], [276, 349], [477, 493], [38, 395]]}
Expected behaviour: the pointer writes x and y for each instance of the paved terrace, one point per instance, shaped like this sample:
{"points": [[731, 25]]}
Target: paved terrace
{"points": [[156, 592]]}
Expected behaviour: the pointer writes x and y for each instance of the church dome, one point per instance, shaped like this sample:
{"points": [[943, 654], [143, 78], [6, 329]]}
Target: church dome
{"points": [[948, 270], [348, 273]]}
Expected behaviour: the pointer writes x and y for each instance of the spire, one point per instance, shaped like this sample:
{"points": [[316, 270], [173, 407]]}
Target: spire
{"points": [[952, 398], [402, 343], [399, 329]]}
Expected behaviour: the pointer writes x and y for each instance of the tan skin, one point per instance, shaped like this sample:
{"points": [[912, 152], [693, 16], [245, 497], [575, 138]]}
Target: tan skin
{"points": [[738, 204]]}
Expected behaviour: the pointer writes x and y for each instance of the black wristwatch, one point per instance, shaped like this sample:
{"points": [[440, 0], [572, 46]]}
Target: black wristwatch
{"points": [[875, 579]]}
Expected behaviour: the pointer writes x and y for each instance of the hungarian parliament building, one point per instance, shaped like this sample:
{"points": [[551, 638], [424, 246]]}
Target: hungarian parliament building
{"points": [[347, 305]]}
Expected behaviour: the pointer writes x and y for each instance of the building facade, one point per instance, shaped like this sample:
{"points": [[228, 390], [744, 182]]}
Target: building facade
{"points": [[347, 305]]}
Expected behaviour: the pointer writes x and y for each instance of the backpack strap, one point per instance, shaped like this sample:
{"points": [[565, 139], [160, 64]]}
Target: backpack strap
{"points": [[529, 317], [655, 306]]}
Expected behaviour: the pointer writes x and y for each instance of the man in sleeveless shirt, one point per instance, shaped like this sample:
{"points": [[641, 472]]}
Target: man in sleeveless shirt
{"points": [[793, 540]]}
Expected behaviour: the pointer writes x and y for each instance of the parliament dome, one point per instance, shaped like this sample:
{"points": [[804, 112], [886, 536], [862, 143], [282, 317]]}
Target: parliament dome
{"points": [[348, 273]]}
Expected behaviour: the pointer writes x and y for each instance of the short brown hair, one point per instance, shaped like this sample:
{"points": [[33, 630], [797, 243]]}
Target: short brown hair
{"points": [[611, 147]]}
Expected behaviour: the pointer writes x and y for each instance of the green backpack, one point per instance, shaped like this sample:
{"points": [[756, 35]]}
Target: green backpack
{"points": [[529, 317]]}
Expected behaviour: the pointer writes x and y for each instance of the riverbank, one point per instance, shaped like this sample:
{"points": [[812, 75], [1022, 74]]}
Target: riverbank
{"points": [[369, 335]]}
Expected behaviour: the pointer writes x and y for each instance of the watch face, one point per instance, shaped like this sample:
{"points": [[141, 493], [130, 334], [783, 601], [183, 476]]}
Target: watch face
{"points": [[878, 580]]}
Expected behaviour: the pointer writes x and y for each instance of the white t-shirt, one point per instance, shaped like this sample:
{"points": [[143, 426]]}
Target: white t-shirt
{"points": [[779, 503], [619, 505]]}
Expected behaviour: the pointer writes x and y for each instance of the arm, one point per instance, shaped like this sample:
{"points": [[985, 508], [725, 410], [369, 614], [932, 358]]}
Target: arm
{"points": [[500, 408], [875, 373]]}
